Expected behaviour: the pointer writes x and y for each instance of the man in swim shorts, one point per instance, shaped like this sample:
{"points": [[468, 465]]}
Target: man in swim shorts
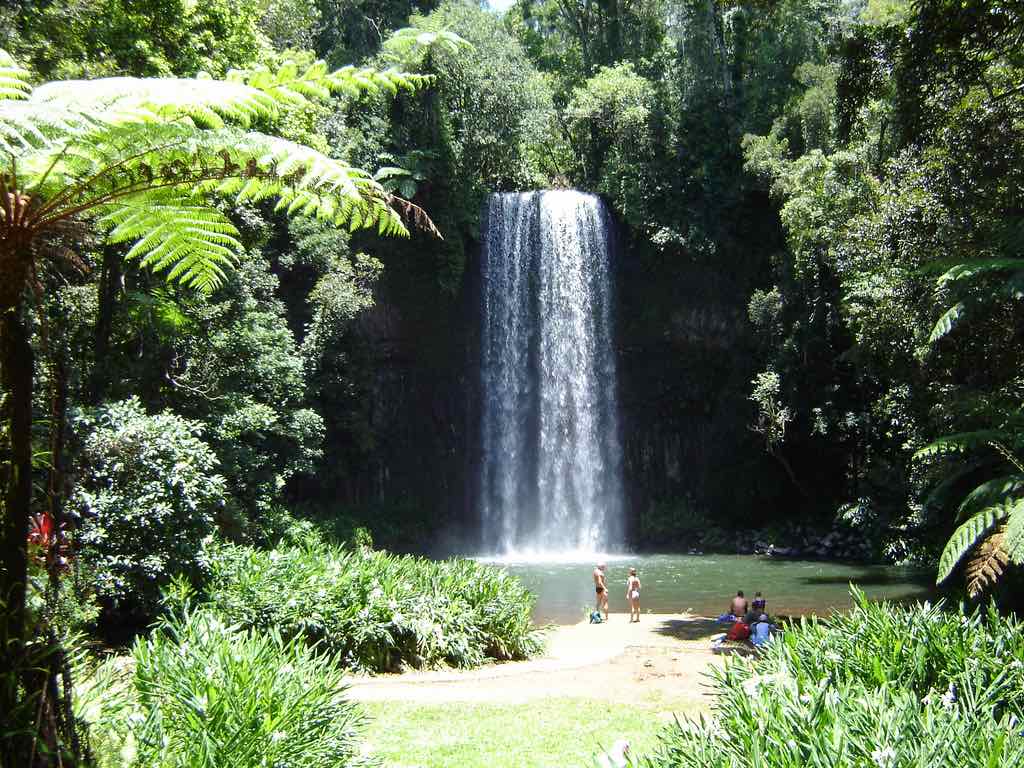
{"points": [[739, 605], [601, 587]]}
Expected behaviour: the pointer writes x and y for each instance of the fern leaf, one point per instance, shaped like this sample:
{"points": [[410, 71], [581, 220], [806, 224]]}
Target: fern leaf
{"points": [[971, 269], [961, 442], [1013, 537], [987, 563], [315, 83], [950, 483], [26, 126], [410, 45], [947, 322], [970, 533], [192, 242], [13, 78], [209, 103], [991, 492]]}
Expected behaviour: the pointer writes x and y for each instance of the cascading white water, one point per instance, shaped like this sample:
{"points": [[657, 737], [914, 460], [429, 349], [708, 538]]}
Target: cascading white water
{"points": [[550, 470]]}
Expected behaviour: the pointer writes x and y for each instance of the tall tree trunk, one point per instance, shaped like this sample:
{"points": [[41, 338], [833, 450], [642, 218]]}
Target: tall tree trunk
{"points": [[16, 366], [110, 283]]}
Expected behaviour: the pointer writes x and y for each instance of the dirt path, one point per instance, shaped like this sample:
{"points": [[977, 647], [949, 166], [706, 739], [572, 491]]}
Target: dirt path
{"points": [[661, 658]]}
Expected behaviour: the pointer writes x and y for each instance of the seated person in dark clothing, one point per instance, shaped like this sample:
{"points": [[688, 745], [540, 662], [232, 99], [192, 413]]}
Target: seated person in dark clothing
{"points": [[759, 604]]}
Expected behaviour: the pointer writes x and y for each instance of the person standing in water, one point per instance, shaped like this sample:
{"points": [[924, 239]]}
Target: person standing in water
{"points": [[601, 587], [633, 595]]}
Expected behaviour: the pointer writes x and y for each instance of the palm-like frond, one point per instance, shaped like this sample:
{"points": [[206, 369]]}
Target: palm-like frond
{"points": [[1013, 538], [307, 182], [315, 83], [988, 561], [174, 232], [150, 184], [210, 103], [990, 492], [971, 532], [142, 157], [970, 270], [410, 45], [14, 82], [961, 441], [947, 322], [245, 97], [60, 111], [27, 126]]}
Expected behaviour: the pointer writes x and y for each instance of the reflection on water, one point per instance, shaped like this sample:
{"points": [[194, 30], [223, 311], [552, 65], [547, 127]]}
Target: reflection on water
{"points": [[704, 584]]}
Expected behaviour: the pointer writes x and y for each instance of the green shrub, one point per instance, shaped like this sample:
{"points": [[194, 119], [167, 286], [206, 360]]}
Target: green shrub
{"points": [[146, 497], [213, 696], [881, 686], [376, 610]]}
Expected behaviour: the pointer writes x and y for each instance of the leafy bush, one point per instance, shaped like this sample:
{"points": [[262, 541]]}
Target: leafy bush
{"points": [[146, 495], [376, 610], [880, 686], [213, 695]]}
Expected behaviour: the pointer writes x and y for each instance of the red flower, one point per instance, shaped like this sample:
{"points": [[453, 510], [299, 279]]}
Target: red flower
{"points": [[51, 542]]}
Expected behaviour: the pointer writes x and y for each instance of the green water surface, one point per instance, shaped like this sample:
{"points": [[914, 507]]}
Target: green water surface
{"points": [[704, 584]]}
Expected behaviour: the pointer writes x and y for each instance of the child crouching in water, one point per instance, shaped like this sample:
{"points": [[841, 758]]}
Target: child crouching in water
{"points": [[633, 595]]}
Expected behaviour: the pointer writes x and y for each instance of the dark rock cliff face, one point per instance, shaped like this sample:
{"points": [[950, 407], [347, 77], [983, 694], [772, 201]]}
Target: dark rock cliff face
{"points": [[402, 431], [686, 360]]}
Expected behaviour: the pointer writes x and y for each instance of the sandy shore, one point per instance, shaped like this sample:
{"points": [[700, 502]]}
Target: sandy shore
{"points": [[663, 655]]}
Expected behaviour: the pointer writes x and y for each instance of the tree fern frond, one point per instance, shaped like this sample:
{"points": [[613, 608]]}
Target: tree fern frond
{"points": [[315, 83], [1013, 537], [960, 442], [990, 492], [209, 103], [969, 270], [410, 45], [172, 232], [26, 126], [970, 532], [306, 181], [947, 322], [987, 563], [14, 82]]}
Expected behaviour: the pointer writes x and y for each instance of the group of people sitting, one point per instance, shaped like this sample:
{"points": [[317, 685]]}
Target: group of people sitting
{"points": [[750, 622]]}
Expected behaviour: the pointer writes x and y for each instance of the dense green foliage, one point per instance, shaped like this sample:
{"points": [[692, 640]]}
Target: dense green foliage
{"points": [[374, 610], [205, 337], [880, 685], [151, 498], [200, 692]]}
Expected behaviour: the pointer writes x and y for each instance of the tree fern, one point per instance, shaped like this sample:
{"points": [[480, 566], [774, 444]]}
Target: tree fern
{"points": [[947, 322], [990, 492], [14, 82], [970, 270], [144, 161], [971, 532], [1013, 538], [960, 442], [987, 563], [410, 46], [194, 243], [142, 157]]}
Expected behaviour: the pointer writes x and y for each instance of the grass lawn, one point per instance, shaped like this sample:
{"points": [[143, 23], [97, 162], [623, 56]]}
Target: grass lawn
{"points": [[548, 733]]}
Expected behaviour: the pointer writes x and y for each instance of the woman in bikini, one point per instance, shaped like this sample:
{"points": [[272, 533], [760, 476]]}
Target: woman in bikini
{"points": [[633, 595]]}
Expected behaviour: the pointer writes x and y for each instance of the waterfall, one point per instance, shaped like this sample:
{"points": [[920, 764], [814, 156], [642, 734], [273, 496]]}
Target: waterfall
{"points": [[550, 470]]}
